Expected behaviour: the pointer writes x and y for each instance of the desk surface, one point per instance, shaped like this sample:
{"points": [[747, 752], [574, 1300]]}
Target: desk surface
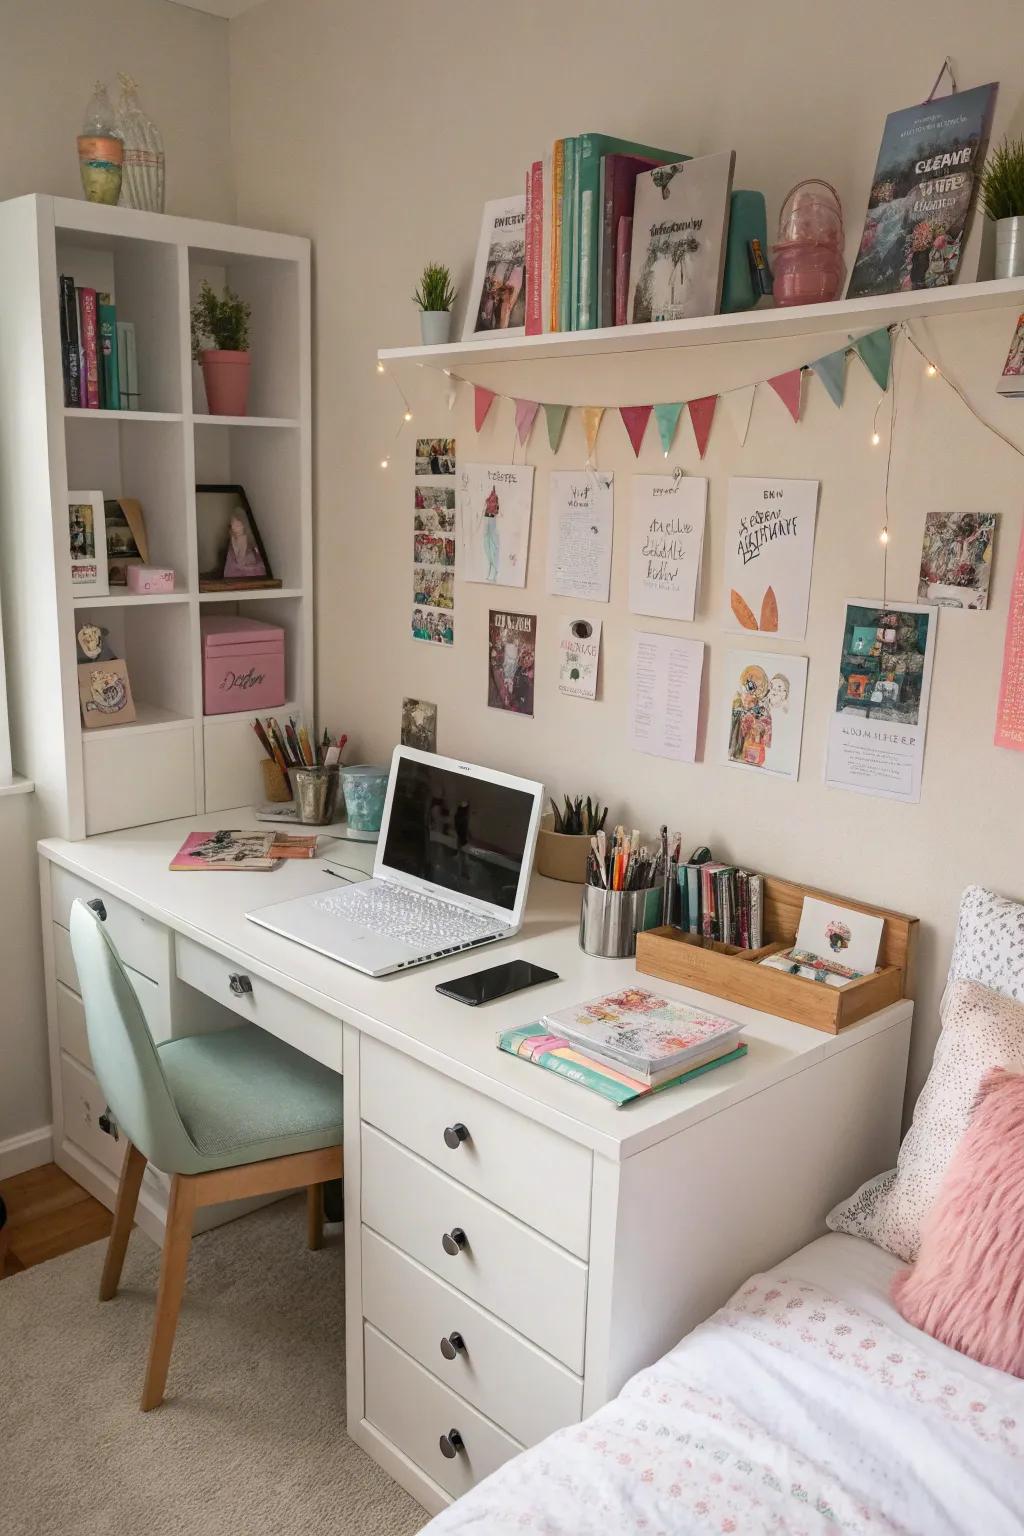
{"points": [[406, 1011]]}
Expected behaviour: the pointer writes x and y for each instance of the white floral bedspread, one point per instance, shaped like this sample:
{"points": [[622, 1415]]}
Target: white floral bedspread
{"points": [[788, 1412]]}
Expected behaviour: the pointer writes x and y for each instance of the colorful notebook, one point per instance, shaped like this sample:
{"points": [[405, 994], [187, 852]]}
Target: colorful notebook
{"points": [[556, 1054], [226, 850], [641, 1030]]}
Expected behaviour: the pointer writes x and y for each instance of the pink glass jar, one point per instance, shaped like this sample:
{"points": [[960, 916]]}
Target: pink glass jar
{"points": [[808, 266]]}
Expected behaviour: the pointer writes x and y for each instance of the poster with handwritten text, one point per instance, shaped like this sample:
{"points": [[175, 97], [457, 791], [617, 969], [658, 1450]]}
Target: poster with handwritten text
{"points": [[769, 547], [580, 534], [666, 538]]}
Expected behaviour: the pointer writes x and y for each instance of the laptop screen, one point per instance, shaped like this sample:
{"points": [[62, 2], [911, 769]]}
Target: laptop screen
{"points": [[465, 834]]}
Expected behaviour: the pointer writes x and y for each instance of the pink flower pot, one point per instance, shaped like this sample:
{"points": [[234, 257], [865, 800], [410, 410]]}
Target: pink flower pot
{"points": [[226, 377]]}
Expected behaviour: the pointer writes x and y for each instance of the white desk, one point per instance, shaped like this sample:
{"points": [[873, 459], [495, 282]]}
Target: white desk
{"points": [[596, 1236]]}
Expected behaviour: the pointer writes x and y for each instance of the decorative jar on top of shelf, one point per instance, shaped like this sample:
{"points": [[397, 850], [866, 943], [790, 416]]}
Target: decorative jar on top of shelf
{"points": [[809, 266], [142, 182], [100, 150]]}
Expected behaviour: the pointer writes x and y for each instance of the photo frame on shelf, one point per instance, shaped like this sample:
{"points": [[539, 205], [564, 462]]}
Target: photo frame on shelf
{"points": [[232, 555], [126, 539], [87, 543], [105, 694]]}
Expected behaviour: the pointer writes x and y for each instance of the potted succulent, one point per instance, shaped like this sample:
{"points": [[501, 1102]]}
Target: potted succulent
{"points": [[1002, 192], [564, 838], [435, 297], [220, 344]]}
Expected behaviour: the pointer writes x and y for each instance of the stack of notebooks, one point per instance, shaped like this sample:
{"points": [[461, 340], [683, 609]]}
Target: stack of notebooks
{"points": [[98, 356], [721, 902], [242, 851], [628, 1044]]}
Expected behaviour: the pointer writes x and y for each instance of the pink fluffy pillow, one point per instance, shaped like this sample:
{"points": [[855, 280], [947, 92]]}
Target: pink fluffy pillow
{"points": [[967, 1287]]}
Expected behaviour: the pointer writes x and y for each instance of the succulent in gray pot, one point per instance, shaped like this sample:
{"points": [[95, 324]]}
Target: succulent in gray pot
{"points": [[434, 298], [1002, 193], [563, 841]]}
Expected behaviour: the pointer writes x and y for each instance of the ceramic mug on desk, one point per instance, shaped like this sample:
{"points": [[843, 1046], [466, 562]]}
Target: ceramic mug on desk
{"points": [[611, 920]]}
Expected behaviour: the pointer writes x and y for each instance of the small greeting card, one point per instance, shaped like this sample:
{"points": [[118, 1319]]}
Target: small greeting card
{"points": [[839, 933], [578, 656]]}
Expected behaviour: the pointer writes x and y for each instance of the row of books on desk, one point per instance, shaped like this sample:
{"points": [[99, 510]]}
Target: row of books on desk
{"points": [[627, 1044], [719, 901]]}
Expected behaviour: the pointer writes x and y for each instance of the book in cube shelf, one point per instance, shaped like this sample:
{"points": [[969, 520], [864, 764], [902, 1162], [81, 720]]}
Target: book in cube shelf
{"points": [[98, 356], [536, 1043]]}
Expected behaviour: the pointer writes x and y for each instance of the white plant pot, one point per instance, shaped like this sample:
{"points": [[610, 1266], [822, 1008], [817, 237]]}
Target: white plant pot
{"points": [[1010, 247], [435, 327]]}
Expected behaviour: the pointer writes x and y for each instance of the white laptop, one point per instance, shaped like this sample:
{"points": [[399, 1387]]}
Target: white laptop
{"points": [[451, 872]]}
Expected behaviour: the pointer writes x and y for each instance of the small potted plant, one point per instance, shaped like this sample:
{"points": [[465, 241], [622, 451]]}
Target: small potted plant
{"points": [[220, 344], [435, 297], [1002, 192], [564, 838]]}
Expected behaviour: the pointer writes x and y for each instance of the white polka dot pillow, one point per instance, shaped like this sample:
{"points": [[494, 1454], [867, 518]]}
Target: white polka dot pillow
{"points": [[980, 1029]]}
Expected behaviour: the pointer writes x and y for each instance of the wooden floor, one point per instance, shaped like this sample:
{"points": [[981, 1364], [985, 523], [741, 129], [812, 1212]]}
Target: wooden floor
{"points": [[48, 1214]]}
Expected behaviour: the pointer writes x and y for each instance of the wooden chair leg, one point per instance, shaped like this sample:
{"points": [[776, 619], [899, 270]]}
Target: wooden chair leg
{"points": [[314, 1216], [132, 1169], [177, 1242]]}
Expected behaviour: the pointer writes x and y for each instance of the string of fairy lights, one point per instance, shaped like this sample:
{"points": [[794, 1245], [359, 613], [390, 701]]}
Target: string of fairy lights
{"points": [[901, 332]]}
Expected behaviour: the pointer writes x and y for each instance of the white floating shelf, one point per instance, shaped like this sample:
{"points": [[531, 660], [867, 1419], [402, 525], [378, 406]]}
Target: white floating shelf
{"points": [[79, 413], [846, 316], [245, 421], [253, 596], [128, 599]]}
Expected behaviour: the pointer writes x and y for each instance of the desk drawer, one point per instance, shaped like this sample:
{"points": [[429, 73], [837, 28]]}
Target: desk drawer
{"points": [[152, 998], [414, 1410], [291, 1019], [71, 1025], [84, 1102], [527, 1169], [142, 943], [536, 1288], [495, 1370]]}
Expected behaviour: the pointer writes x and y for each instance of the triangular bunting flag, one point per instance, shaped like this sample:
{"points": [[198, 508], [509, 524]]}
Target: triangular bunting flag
{"points": [[483, 399], [876, 351], [591, 423], [787, 387], [831, 370], [738, 405], [526, 410], [702, 414], [555, 415], [635, 419], [667, 417]]}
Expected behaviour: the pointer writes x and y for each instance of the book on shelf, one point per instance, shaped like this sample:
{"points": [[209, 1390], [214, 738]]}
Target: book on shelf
{"points": [[552, 1052], [69, 341], [89, 370], [127, 366], [497, 297], [642, 1031], [106, 324], [680, 220], [617, 190], [623, 251], [554, 226]]}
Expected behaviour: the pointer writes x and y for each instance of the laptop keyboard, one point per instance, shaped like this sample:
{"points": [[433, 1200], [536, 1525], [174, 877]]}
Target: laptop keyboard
{"points": [[408, 916]]}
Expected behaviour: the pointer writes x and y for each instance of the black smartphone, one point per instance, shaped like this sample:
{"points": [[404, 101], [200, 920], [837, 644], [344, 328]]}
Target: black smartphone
{"points": [[498, 981]]}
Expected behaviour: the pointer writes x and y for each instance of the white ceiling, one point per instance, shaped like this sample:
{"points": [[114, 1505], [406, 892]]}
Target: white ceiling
{"points": [[226, 8]]}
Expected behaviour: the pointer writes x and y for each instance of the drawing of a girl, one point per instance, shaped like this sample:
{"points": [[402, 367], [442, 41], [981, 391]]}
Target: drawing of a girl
{"points": [[492, 536], [750, 733]]}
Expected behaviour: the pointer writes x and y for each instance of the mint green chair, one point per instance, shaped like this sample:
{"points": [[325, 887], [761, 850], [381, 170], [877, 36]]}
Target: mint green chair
{"points": [[227, 1115]]}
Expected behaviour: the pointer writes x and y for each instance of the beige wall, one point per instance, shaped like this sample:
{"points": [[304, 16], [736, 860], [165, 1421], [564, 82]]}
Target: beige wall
{"points": [[380, 130], [52, 51]]}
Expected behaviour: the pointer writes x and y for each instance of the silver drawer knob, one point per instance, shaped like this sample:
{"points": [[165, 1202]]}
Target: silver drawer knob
{"points": [[451, 1444], [454, 1241], [452, 1344], [239, 984], [455, 1135]]}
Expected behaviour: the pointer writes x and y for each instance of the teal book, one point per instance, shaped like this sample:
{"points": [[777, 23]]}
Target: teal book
{"points": [[106, 316], [591, 149], [565, 267], [535, 1043]]}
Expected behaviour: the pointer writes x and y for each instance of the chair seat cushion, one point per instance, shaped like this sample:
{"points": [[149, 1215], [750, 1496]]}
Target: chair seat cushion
{"points": [[243, 1096]]}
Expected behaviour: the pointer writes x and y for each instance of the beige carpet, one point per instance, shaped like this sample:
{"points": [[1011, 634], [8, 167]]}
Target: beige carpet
{"points": [[251, 1438]]}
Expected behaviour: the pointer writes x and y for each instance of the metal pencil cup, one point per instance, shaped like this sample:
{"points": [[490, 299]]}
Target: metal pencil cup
{"points": [[611, 920], [316, 794]]}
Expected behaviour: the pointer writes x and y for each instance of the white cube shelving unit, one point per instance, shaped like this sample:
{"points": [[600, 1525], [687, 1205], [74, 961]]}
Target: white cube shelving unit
{"points": [[173, 760]]}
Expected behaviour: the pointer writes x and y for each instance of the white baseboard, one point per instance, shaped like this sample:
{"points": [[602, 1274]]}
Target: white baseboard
{"points": [[30, 1150]]}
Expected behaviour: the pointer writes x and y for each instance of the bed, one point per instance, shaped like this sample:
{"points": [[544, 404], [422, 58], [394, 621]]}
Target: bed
{"points": [[805, 1405]]}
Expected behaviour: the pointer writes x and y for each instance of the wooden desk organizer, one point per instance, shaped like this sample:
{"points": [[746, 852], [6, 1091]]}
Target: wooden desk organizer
{"points": [[726, 971]]}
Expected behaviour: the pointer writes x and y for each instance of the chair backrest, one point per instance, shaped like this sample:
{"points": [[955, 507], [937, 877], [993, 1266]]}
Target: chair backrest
{"points": [[989, 943], [124, 1057]]}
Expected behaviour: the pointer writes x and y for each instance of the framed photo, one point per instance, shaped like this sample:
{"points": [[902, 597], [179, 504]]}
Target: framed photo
{"points": [[105, 694], [126, 537], [87, 537], [232, 556]]}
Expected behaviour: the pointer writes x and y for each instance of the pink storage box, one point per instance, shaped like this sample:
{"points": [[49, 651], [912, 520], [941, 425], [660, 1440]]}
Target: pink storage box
{"points": [[149, 578], [243, 665]]}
